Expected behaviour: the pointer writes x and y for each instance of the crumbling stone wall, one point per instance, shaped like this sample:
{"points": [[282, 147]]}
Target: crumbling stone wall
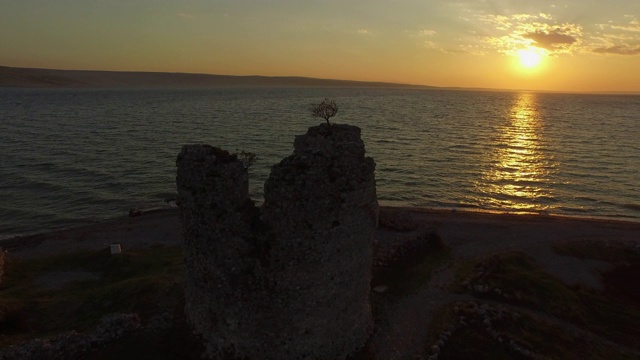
{"points": [[216, 215], [290, 280]]}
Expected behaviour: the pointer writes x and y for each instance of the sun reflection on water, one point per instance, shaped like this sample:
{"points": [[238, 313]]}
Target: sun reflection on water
{"points": [[518, 177]]}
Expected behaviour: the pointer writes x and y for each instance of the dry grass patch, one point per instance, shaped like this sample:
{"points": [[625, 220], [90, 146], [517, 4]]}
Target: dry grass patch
{"points": [[516, 280], [143, 281]]}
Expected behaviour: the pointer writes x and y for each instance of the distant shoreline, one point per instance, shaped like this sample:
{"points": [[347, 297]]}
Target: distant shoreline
{"points": [[12, 77], [16, 77]]}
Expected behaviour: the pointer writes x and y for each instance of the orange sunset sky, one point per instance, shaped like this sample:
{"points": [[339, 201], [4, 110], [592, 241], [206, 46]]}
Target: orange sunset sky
{"points": [[580, 45]]}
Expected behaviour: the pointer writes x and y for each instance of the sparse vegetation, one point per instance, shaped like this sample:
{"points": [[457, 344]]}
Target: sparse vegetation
{"points": [[145, 281], [247, 158], [326, 109], [548, 309], [515, 334]]}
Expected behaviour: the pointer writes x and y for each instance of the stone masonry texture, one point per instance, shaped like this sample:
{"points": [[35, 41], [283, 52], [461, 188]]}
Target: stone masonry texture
{"points": [[291, 279]]}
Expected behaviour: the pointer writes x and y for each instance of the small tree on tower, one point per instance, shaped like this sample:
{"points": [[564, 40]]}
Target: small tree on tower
{"points": [[326, 109]]}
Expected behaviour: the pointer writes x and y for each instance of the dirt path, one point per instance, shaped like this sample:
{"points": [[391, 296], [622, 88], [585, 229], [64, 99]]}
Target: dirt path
{"points": [[410, 318]]}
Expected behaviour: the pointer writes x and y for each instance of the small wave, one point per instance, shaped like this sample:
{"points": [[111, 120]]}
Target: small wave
{"points": [[585, 198], [468, 206], [458, 146], [571, 210], [631, 206], [11, 236]]}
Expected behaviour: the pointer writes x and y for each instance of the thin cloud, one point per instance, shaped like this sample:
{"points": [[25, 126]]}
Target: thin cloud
{"points": [[185, 15], [500, 22], [618, 50], [508, 33], [633, 25], [618, 38], [430, 43], [433, 45], [551, 40], [524, 17], [363, 32], [511, 33], [427, 33], [472, 49]]}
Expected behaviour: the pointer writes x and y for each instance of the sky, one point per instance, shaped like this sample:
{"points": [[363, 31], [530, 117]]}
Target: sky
{"points": [[580, 45]]}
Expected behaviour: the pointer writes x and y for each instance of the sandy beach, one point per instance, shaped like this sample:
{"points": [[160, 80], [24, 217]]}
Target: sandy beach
{"points": [[160, 227], [468, 233]]}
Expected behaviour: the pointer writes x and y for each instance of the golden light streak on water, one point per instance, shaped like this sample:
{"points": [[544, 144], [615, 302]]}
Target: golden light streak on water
{"points": [[520, 170]]}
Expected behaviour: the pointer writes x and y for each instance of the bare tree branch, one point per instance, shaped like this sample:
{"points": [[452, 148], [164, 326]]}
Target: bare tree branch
{"points": [[326, 109]]}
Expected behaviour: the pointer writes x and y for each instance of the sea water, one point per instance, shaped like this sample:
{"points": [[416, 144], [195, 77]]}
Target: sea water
{"points": [[75, 156]]}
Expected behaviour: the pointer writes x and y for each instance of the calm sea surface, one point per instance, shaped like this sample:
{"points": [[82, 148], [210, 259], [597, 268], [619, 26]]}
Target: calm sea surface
{"points": [[71, 157]]}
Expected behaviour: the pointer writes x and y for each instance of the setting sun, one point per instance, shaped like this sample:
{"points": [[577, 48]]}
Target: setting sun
{"points": [[529, 58]]}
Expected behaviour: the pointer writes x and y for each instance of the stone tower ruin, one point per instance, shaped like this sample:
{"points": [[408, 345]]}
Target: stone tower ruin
{"points": [[291, 279]]}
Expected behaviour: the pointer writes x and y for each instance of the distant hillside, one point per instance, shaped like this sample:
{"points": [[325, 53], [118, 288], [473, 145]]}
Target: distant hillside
{"points": [[38, 78]]}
